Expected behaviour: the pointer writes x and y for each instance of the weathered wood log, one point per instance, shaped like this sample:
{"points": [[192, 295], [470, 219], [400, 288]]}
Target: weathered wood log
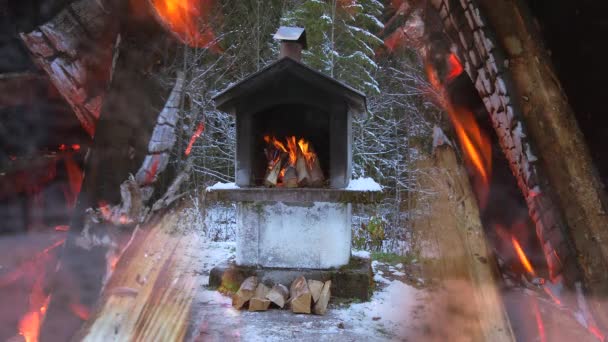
{"points": [[148, 297], [259, 302], [301, 298], [290, 179], [245, 292], [320, 307], [557, 143], [461, 260], [315, 287], [278, 295], [75, 48]]}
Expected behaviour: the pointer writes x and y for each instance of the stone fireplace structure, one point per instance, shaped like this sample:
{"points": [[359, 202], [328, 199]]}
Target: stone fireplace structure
{"points": [[293, 228]]}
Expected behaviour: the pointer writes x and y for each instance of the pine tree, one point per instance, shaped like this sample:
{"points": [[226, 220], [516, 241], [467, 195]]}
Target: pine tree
{"points": [[341, 39]]}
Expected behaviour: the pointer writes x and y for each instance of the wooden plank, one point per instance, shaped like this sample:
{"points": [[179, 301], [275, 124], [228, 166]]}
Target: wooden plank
{"points": [[461, 260], [150, 294]]}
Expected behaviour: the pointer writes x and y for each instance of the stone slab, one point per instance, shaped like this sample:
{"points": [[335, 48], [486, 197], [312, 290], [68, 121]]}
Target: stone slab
{"points": [[354, 280], [293, 195]]}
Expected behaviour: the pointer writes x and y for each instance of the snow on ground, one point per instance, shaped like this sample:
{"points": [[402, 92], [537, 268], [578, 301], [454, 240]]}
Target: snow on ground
{"points": [[386, 317], [364, 184], [361, 254]]}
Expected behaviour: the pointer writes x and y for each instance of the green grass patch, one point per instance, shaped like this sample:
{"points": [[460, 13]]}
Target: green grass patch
{"points": [[393, 259]]}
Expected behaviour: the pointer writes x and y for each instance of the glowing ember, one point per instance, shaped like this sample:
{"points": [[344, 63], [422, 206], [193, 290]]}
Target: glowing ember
{"points": [[455, 67], [80, 310], [184, 18], [30, 323], [539, 322], [62, 228], [75, 147], [75, 176], [197, 133], [151, 174], [522, 256]]}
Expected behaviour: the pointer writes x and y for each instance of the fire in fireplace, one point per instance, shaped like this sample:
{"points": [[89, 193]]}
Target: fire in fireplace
{"points": [[289, 99]]}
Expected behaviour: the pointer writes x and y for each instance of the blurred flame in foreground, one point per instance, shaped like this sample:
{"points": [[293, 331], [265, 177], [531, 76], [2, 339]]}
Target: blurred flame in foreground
{"points": [[476, 145], [184, 17], [197, 133], [522, 256]]}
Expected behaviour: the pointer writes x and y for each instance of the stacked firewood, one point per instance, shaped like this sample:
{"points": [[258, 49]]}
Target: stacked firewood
{"points": [[292, 165], [303, 296]]}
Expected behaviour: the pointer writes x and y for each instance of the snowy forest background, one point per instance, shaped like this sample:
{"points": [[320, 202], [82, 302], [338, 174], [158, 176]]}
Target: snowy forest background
{"points": [[348, 40]]}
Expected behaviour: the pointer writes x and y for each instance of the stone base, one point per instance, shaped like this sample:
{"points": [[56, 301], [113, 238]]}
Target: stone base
{"points": [[354, 280]]}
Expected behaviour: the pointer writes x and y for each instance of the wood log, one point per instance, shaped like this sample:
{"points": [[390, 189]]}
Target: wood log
{"points": [[316, 173], [75, 48], [259, 302], [245, 292], [301, 297], [320, 307], [290, 179], [461, 259], [302, 170], [278, 295], [272, 175], [315, 287]]}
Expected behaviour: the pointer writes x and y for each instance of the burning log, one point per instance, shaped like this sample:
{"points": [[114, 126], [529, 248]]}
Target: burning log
{"points": [[272, 175], [290, 179], [302, 170], [245, 292], [299, 165], [316, 174], [278, 295], [463, 260], [320, 307], [301, 297]]}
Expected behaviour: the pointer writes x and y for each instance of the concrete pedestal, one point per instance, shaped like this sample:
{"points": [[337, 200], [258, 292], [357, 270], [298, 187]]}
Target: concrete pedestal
{"points": [[314, 235]]}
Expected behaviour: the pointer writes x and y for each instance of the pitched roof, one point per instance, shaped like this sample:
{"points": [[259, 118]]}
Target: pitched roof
{"points": [[289, 69]]}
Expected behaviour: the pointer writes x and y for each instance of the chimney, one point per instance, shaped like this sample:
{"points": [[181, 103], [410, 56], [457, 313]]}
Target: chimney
{"points": [[293, 40]]}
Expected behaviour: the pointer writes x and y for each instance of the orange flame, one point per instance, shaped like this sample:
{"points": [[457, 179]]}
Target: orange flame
{"points": [[197, 133], [184, 17], [455, 67], [522, 256], [30, 323], [293, 150], [476, 145], [75, 176], [295, 147], [80, 310]]}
